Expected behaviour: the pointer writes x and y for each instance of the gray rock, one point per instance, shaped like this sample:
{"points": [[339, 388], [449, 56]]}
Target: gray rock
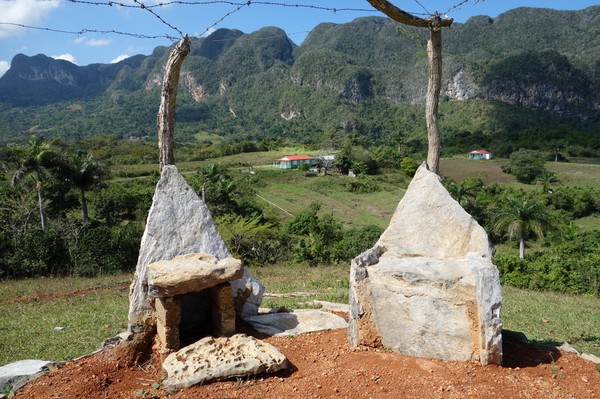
{"points": [[567, 347], [251, 291], [428, 222], [330, 306], [591, 358], [17, 374], [178, 223], [296, 322], [428, 287], [221, 358]]}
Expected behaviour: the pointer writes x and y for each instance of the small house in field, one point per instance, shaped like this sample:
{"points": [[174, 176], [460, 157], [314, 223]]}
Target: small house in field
{"points": [[480, 154], [293, 161]]}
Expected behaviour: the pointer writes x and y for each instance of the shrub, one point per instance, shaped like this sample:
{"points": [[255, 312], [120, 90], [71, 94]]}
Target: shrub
{"points": [[572, 266], [578, 201], [525, 165], [408, 166], [252, 240], [117, 203], [36, 253], [355, 241], [106, 250], [361, 186]]}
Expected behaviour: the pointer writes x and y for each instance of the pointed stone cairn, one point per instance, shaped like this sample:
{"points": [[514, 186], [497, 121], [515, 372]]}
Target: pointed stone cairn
{"points": [[428, 287], [178, 223]]}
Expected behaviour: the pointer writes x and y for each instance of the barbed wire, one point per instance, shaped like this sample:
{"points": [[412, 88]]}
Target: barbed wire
{"points": [[138, 4], [143, 7], [84, 31], [111, 3], [422, 6], [221, 19], [462, 5]]}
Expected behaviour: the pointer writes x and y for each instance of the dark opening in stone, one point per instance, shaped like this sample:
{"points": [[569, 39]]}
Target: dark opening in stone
{"points": [[196, 321], [186, 318]]}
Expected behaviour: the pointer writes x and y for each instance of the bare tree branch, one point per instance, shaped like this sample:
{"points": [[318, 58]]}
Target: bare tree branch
{"points": [[406, 18]]}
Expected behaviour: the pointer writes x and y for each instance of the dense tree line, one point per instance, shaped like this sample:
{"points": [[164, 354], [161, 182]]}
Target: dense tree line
{"points": [[62, 214], [567, 259]]}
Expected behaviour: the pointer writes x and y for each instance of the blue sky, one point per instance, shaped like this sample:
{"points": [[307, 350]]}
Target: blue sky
{"points": [[94, 47]]}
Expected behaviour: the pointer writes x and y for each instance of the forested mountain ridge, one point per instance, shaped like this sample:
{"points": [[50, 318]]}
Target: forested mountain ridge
{"points": [[527, 68]]}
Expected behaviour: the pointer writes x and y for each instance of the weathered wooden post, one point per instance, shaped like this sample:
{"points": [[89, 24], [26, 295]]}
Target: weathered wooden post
{"points": [[165, 120]]}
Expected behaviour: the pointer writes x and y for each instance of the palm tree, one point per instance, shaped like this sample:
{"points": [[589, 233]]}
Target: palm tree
{"points": [[37, 157], [545, 179], [212, 173], [83, 172], [520, 218], [465, 191]]}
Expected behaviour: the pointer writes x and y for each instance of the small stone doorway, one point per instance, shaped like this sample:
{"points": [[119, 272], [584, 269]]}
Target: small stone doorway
{"points": [[184, 319], [192, 299]]}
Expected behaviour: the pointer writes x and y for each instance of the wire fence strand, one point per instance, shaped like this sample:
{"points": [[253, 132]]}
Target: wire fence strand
{"points": [[238, 5]]}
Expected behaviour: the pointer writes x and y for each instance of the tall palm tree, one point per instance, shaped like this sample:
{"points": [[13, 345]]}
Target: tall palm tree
{"points": [[37, 157], [520, 218], [83, 172]]}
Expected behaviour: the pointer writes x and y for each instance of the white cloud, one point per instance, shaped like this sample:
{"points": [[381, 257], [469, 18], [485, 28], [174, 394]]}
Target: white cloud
{"points": [[97, 42], [24, 12], [4, 67], [91, 42], [120, 58], [66, 57]]}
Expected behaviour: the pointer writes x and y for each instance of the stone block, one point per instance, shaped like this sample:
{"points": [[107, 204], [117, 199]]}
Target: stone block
{"points": [[178, 223], [167, 311], [222, 310], [168, 337]]}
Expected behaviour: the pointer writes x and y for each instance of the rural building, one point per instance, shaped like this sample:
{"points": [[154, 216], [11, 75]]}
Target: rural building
{"points": [[292, 161], [480, 154]]}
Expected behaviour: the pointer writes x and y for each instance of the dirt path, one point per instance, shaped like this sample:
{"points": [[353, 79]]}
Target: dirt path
{"points": [[44, 297]]}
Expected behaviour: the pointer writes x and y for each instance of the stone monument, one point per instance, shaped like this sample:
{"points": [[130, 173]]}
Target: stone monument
{"points": [[428, 287], [179, 223]]}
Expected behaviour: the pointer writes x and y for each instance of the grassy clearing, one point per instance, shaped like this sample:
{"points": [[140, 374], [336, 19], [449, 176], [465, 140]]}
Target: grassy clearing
{"points": [[490, 171], [325, 283], [27, 329], [588, 223], [576, 174], [553, 318], [292, 191]]}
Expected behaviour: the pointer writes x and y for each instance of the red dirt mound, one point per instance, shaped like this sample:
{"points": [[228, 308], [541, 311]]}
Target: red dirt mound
{"points": [[323, 366]]}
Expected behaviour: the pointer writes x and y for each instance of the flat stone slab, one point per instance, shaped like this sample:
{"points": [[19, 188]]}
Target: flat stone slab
{"points": [[19, 373], [220, 358], [190, 273], [296, 322]]}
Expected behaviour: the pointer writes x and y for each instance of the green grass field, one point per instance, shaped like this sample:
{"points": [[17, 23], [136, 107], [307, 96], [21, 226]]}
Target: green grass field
{"points": [[28, 324]]}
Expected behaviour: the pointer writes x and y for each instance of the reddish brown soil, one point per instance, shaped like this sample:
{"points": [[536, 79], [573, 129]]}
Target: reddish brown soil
{"points": [[43, 297], [323, 366]]}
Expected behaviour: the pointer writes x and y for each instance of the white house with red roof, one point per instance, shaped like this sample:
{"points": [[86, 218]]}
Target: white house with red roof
{"points": [[480, 154], [292, 161]]}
